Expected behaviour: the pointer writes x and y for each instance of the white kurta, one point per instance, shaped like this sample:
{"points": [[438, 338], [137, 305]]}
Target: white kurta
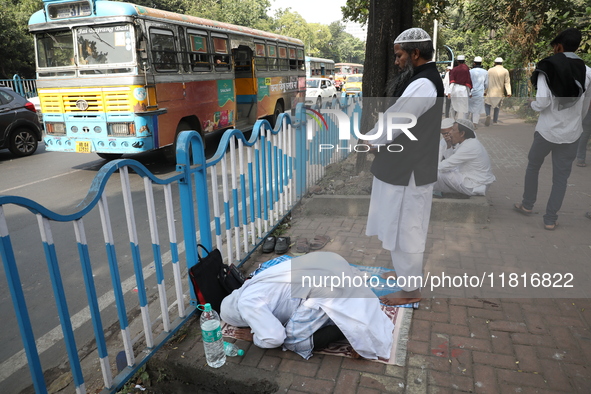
{"points": [[280, 310], [459, 98], [479, 78], [468, 170]]}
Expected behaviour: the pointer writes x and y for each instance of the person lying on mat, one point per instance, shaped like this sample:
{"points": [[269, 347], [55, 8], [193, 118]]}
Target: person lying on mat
{"points": [[287, 305]]}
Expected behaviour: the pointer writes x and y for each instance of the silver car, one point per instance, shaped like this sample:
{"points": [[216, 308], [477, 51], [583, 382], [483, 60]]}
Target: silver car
{"points": [[318, 89], [20, 130]]}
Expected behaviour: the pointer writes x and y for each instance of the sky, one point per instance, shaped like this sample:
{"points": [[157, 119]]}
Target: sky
{"points": [[313, 11]]}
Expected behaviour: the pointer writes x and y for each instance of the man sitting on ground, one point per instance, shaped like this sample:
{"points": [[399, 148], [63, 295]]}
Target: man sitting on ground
{"points": [[280, 307], [468, 169]]}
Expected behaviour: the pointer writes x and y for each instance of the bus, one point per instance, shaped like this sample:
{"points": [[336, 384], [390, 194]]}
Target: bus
{"points": [[342, 70], [117, 78], [317, 67]]}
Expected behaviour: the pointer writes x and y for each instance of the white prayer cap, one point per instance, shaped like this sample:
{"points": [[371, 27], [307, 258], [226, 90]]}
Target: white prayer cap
{"points": [[447, 123], [461, 57], [449, 67], [414, 34], [478, 59], [499, 60], [467, 124]]}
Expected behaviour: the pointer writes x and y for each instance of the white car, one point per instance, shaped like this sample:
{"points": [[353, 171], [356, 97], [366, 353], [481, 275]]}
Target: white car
{"points": [[318, 89]]}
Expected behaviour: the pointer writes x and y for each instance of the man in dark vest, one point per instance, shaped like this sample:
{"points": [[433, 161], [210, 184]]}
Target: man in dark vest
{"points": [[563, 84], [405, 163]]}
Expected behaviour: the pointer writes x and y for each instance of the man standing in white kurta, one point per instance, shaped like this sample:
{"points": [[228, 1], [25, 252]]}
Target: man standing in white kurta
{"points": [[402, 190], [479, 78]]}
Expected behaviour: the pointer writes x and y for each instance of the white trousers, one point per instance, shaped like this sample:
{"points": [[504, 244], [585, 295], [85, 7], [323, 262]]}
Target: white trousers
{"points": [[399, 216]]}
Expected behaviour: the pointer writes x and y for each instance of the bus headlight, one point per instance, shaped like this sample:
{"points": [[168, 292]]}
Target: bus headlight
{"points": [[97, 129], [121, 129]]}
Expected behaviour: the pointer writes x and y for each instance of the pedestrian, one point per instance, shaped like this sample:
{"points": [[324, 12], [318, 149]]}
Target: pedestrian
{"points": [[460, 86], [563, 84], [499, 86], [445, 146], [467, 170], [582, 149], [402, 189], [479, 78]]}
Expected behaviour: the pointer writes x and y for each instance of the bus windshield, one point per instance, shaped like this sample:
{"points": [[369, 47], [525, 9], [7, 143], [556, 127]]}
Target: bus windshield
{"points": [[55, 49], [104, 44], [111, 44]]}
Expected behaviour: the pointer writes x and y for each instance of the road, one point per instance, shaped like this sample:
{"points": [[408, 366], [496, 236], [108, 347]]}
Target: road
{"points": [[60, 181]]}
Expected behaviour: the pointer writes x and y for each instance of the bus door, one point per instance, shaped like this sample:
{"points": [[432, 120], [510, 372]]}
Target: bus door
{"points": [[246, 86]]}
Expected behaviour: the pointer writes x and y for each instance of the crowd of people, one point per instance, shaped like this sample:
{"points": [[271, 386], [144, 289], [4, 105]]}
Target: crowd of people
{"points": [[445, 156]]}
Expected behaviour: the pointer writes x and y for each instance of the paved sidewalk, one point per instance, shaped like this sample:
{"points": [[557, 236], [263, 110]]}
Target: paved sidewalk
{"points": [[470, 343]]}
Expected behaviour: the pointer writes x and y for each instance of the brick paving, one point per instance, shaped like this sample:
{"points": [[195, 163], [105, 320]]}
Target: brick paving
{"points": [[519, 342]]}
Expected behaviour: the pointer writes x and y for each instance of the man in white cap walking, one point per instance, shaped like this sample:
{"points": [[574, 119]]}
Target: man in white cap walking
{"points": [[460, 85], [402, 189], [499, 85], [479, 84]]}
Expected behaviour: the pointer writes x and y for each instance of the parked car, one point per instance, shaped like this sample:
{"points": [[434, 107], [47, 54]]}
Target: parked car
{"points": [[353, 84], [20, 129], [318, 89]]}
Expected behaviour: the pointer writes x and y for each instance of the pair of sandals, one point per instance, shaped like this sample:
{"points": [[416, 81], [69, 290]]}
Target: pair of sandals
{"points": [[303, 246], [279, 245], [527, 212]]}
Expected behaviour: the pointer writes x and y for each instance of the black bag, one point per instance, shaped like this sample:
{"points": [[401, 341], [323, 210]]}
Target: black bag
{"points": [[212, 279]]}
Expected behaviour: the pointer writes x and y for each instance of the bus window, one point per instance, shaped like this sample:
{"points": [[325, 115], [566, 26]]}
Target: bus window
{"points": [[293, 61], [301, 62], [221, 58], [183, 42], [283, 62], [163, 50], [198, 55], [272, 60], [104, 44], [55, 49], [260, 56]]}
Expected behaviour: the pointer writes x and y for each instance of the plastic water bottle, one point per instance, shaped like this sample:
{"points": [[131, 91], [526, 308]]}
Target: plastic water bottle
{"points": [[232, 350], [211, 331]]}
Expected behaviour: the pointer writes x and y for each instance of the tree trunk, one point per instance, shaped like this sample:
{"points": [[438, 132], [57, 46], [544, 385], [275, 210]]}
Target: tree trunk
{"points": [[387, 19]]}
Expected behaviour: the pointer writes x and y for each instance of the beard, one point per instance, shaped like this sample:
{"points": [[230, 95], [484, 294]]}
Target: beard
{"points": [[403, 76]]}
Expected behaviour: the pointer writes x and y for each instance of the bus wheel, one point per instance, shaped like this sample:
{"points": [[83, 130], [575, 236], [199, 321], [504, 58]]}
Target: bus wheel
{"points": [[278, 111], [110, 156], [170, 151]]}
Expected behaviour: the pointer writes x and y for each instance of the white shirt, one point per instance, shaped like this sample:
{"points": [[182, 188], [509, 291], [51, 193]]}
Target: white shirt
{"points": [[479, 78], [564, 126], [471, 159]]}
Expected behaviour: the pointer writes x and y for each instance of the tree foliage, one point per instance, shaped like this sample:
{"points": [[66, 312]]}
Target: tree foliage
{"points": [[16, 45]]}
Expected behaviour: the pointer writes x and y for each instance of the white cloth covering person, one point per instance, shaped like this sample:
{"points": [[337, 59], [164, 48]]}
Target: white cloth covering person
{"points": [[282, 309], [468, 169]]}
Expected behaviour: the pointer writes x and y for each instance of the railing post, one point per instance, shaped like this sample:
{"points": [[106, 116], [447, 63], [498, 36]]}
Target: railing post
{"points": [[300, 153], [191, 142]]}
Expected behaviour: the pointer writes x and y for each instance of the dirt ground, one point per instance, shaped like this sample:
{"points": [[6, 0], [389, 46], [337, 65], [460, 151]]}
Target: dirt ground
{"points": [[341, 178]]}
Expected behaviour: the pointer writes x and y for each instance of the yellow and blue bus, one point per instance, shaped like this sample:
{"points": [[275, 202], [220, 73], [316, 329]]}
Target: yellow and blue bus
{"points": [[317, 67], [117, 78]]}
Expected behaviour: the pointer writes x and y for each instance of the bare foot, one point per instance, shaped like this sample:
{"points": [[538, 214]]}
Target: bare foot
{"points": [[354, 354], [389, 274], [401, 297], [244, 334]]}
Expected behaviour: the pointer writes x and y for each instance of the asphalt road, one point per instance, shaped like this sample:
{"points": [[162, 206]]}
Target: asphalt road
{"points": [[60, 181]]}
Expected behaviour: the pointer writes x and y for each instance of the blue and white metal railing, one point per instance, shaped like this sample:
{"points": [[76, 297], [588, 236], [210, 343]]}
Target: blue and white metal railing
{"points": [[266, 176]]}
